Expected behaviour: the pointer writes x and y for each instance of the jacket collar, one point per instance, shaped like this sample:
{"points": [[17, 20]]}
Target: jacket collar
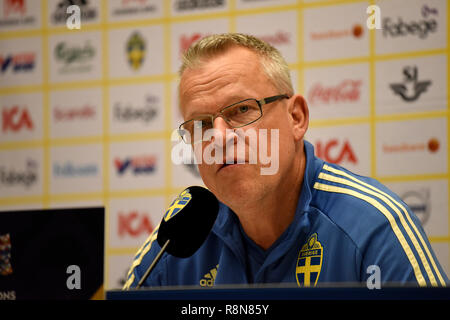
{"points": [[227, 223]]}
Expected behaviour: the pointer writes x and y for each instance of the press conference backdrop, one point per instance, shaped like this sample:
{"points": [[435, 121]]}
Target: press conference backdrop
{"points": [[87, 115]]}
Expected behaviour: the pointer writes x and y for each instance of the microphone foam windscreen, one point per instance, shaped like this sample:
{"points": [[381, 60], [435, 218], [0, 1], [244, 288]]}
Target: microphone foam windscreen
{"points": [[188, 221]]}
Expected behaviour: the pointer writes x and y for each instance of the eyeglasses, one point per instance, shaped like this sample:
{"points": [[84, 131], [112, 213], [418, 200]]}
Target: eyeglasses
{"points": [[237, 115]]}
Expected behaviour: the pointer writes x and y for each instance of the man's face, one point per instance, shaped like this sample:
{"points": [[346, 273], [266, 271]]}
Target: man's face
{"points": [[223, 80]]}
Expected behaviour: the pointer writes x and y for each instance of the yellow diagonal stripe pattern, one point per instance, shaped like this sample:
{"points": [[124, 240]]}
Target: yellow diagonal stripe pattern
{"points": [[389, 200]]}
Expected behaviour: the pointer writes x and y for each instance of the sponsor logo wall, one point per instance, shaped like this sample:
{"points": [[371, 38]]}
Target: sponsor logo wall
{"points": [[87, 116]]}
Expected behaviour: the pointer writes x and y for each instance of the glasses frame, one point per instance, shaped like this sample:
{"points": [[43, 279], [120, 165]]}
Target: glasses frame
{"points": [[213, 117]]}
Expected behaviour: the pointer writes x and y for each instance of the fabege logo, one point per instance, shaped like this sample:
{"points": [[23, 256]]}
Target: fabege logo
{"points": [[134, 224], [421, 28], [27, 177], [145, 113], [335, 152], [20, 62], [347, 90], [15, 119], [411, 88], [138, 165]]}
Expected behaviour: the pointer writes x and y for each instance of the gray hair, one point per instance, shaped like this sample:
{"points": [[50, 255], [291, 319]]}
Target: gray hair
{"points": [[272, 61]]}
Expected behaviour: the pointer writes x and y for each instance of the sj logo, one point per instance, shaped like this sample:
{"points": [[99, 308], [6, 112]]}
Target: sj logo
{"points": [[179, 203], [309, 262], [14, 119]]}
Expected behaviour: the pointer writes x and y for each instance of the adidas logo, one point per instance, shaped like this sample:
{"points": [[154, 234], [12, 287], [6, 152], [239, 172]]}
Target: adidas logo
{"points": [[209, 278]]}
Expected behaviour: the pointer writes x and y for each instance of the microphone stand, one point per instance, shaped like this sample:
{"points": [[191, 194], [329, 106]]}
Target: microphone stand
{"points": [[155, 261]]}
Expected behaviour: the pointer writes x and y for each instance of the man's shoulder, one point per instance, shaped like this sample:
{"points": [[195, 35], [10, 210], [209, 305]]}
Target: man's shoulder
{"points": [[358, 205]]}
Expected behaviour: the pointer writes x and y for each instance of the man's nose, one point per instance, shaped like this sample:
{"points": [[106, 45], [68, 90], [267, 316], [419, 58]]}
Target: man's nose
{"points": [[225, 130]]}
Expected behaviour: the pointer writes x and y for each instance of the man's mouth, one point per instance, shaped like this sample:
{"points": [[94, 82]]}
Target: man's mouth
{"points": [[231, 163]]}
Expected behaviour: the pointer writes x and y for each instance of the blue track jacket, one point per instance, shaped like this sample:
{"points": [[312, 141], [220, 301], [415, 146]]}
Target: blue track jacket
{"points": [[345, 227]]}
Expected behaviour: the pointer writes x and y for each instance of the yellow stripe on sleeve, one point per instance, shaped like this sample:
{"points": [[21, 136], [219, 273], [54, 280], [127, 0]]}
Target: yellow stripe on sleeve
{"points": [[408, 217], [412, 259], [141, 253], [331, 178]]}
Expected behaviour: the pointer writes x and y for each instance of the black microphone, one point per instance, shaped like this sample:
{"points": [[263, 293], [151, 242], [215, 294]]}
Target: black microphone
{"points": [[186, 224]]}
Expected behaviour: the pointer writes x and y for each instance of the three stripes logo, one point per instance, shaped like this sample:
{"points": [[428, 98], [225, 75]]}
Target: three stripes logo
{"points": [[209, 278], [398, 216]]}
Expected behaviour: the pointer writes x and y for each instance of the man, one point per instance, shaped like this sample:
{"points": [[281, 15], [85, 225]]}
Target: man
{"points": [[310, 221]]}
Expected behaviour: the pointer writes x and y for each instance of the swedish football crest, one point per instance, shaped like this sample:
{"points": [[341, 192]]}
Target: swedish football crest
{"points": [[179, 203], [309, 262], [136, 50]]}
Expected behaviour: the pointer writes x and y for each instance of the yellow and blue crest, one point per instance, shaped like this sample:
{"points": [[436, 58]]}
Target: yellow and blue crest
{"points": [[136, 50], [179, 203], [309, 262]]}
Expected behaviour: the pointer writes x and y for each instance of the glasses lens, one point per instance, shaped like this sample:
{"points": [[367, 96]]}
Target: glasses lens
{"points": [[242, 113], [192, 130]]}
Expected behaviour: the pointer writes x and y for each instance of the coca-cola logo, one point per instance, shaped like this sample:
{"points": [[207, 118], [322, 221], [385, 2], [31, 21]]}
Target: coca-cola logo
{"points": [[346, 91]]}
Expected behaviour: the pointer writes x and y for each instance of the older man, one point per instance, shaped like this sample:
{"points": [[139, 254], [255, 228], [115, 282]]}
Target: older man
{"points": [[307, 222]]}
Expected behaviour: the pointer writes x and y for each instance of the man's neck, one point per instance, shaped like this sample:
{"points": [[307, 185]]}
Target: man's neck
{"points": [[265, 220]]}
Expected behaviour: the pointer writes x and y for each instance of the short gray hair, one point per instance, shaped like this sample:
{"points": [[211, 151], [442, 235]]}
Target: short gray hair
{"points": [[271, 60]]}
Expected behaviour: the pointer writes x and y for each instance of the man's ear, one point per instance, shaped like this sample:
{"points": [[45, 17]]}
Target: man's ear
{"points": [[299, 114]]}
